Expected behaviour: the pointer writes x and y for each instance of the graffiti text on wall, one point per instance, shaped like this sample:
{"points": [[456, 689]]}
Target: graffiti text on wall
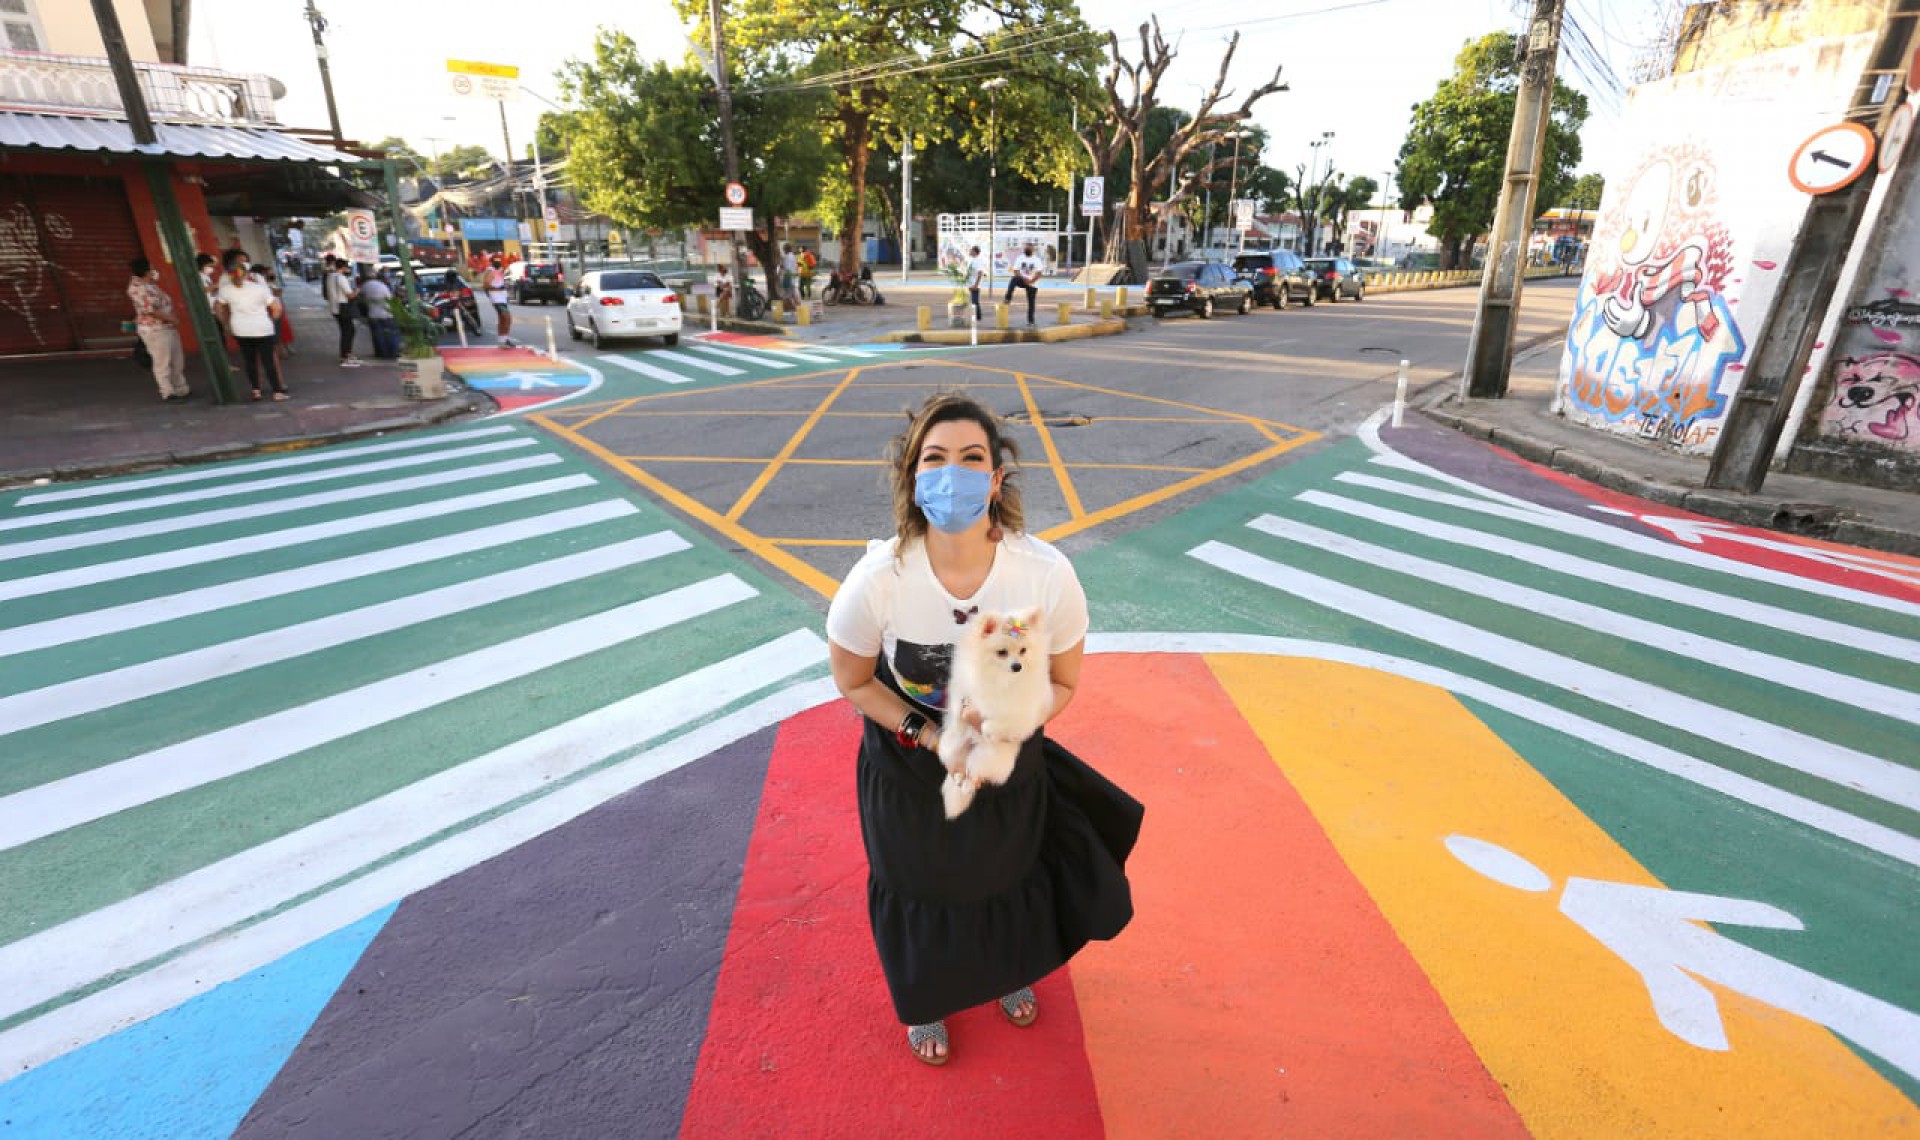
{"points": [[1877, 397], [1653, 335]]}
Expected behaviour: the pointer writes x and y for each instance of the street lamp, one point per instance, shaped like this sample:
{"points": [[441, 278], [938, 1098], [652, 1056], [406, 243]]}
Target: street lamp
{"points": [[992, 88], [1380, 233], [1319, 199]]}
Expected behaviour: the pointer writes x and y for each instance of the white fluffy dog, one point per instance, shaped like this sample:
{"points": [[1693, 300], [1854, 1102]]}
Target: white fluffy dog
{"points": [[1000, 668]]}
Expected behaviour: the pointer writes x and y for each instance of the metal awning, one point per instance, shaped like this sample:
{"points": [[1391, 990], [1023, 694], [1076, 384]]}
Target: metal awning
{"points": [[20, 131]]}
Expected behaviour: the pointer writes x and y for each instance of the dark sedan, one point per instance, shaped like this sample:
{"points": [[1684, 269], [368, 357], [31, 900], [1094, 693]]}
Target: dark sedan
{"points": [[1197, 287], [1336, 277]]}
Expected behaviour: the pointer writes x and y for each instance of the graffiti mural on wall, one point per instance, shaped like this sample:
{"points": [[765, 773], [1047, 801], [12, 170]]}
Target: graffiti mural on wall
{"points": [[1653, 336], [26, 280], [1876, 397]]}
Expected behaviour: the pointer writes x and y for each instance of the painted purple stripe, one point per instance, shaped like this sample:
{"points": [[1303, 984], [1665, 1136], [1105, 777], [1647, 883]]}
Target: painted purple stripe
{"points": [[559, 990]]}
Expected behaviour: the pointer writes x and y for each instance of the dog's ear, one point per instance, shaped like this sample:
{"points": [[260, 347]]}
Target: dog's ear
{"points": [[987, 625], [1029, 618]]}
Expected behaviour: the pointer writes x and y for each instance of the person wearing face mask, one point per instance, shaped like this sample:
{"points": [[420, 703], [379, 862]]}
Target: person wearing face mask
{"points": [[159, 330], [979, 908], [248, 309]]}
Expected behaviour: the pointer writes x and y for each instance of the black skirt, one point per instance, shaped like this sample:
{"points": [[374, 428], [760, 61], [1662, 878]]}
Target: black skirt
{"points": [[965, 911]]}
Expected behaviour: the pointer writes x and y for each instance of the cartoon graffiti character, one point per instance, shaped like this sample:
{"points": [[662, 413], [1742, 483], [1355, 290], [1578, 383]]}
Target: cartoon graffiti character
{"points": [[1878, 393], [1665, 249]]}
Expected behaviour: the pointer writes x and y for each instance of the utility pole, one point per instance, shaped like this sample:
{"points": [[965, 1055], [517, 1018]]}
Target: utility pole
{"points": [[319, 24], [716, 16], [1490, 347], [172, 226], [1775, 369], [992, 88], [513, 196], [906, 206]]}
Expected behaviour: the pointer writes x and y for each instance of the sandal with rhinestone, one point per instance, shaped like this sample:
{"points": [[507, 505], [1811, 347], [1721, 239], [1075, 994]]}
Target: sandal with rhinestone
{"points": [[918, 1035], [1010, 1006]]}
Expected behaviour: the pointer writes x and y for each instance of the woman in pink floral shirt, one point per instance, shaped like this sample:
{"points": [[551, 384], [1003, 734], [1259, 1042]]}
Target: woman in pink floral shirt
{"points": [[153, 315]]}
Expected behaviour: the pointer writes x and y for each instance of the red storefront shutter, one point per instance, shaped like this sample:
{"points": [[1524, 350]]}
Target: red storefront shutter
{"points": [[64, 247]]}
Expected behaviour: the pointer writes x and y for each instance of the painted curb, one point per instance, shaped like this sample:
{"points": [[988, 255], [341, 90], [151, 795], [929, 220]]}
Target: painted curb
{"points": [[1047, 335], [467, 403]]}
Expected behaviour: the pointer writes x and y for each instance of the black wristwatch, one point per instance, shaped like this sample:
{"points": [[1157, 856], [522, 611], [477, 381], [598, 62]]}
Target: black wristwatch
{"points": [[908, 734]]}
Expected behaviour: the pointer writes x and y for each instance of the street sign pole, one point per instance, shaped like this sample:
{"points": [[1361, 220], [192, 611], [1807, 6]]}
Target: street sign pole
{"points": [[717, 18]]}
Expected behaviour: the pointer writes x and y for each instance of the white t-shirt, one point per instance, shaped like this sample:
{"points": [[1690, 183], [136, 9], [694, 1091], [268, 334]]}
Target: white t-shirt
{"points": [[376, 294], [977, 271], [246, 304], [899, 607], [1028, 266]]}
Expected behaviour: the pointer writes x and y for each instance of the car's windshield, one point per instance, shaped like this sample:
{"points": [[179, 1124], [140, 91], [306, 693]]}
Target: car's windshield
{"points": [[542, 270], [1252, 261], [610, 281], [1185, 271]]}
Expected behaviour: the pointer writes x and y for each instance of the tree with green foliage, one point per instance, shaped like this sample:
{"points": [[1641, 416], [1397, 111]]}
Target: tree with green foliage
{"points": [[1455, 156], [897, 69], [1586, 192], [462, 162], [400, 151], [646, 148], [1357, 194]]}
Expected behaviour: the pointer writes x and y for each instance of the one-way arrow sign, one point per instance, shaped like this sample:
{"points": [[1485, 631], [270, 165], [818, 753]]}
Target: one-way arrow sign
{"points": [[1831, 159]]}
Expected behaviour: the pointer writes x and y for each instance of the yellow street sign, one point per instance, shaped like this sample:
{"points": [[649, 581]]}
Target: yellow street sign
{"points": [[497, 70]]}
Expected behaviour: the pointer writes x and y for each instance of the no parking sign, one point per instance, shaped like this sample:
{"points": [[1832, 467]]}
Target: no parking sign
{"points": [[363, 244]]}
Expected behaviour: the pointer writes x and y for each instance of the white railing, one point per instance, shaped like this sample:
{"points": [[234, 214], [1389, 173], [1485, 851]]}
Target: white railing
{"points": [[66, 84]]}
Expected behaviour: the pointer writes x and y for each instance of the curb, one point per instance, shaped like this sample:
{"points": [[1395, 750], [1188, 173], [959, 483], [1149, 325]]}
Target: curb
{"points": [[1047, 335], [1811, 520], [467, 403]]}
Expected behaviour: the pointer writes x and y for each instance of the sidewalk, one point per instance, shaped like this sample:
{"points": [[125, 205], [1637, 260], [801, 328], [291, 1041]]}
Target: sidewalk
{"points": [[70, 417], [1799, 504]]}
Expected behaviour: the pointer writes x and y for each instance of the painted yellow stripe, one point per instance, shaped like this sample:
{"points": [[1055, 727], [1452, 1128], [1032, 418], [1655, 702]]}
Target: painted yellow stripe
{"points": [[1391, 767], [1104, 514], [794, 441], [755, 459], [806, 575], [1039, 424]]}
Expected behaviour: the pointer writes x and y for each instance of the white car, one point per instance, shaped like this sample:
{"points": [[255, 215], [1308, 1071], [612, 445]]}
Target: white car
{"points": [[623, 302]]}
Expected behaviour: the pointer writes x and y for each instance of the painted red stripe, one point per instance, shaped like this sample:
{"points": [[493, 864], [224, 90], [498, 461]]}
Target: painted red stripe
{"points": [[1259, 990], [801, 1040], [510, 403]]}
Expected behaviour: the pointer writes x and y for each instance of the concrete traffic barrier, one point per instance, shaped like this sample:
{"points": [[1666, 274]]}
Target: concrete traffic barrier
{"points": [[923, 317], [1106, 308], [1064, 312], [999, 314], [805, 313], [1091, 298], [1120, 296]]}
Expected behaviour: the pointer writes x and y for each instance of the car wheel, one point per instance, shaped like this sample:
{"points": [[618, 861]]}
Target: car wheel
{"points": [[1206, 309], [573, 330], [1333, 295], [1360, 293], [1246, 304], [593, 333], [670, 339], [1307, 302], [1279, 299]]}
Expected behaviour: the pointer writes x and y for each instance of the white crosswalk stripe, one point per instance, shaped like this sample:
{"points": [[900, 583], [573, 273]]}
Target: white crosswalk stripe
{"points": [[143, 677], [648, 370], [685, 359], [735, 354]]}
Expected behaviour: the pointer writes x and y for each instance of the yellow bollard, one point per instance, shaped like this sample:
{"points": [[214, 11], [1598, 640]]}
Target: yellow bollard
{"points": [[1064, 312], [805, 313], [779, 310], [701, 303], [1091, 299], [923, 317], [999, 314], [1120, 297], [1106, 308]]}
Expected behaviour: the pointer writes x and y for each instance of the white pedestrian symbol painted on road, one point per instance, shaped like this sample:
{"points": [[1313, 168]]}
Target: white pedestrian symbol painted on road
{"points": [[531, 380], [1659, 933]]}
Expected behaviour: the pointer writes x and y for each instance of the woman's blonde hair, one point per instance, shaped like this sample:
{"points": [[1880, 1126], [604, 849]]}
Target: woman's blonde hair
{"points": [[903, 456]]}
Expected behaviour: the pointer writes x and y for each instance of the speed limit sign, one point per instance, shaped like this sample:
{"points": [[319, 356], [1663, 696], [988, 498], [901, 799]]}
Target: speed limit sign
{"points": [[736, 194]]}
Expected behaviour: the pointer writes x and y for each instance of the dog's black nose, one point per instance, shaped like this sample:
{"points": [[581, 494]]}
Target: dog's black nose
{"points": [[1015, 666]]}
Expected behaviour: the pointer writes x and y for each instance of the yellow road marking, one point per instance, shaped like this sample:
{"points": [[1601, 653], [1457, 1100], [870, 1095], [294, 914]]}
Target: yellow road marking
{"points": [[753, 459], [649, 413], [800, 571], [1240, 417], [819, 541], [1039, 424], [1140, 502], [1390, 768], [793, 444], [610, 410]]}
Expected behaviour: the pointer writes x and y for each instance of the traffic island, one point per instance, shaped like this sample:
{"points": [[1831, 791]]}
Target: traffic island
{"points": [[1046, 334]]}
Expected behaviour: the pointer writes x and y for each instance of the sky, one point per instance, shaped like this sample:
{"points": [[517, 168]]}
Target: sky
{"points": [[1354, 67]]}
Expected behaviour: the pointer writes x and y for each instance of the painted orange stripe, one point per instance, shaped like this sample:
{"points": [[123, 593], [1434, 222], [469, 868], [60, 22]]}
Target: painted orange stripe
{"points": [[1258, 992], [801, 1040]]}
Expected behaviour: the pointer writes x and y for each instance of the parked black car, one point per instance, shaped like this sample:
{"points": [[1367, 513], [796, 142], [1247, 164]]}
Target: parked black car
{"points": [[1336, 277], [541, 281], [1278, 276], [1198, 287]]}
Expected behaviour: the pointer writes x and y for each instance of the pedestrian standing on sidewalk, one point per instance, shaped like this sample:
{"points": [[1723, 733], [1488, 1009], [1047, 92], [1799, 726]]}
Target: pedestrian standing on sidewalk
{"points": [[976, 278], [337, 287], [154, 320], [980, 907], [282, 327], [248, 308], [1025, 274], [789, 276], [377, 296], [723, 292], [495, 284], [807, 264]]}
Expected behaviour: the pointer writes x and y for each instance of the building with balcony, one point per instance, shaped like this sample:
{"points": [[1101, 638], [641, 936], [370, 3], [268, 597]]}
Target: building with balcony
{"points": [[78, 192]]}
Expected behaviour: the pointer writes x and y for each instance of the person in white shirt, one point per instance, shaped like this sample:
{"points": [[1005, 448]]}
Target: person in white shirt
{"points": [[250, 312], [1025, 275], [337, 287], [723, 292], [976, 277], [495, 284], [974, 909], [789, 276], [378, 295]]}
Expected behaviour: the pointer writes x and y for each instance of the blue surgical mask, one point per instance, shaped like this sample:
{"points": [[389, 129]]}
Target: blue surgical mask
{"points": [[952, 497]]}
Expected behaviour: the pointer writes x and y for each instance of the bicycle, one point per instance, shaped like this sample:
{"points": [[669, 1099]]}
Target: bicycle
{"points": [[844, 287], [751, 304]]}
